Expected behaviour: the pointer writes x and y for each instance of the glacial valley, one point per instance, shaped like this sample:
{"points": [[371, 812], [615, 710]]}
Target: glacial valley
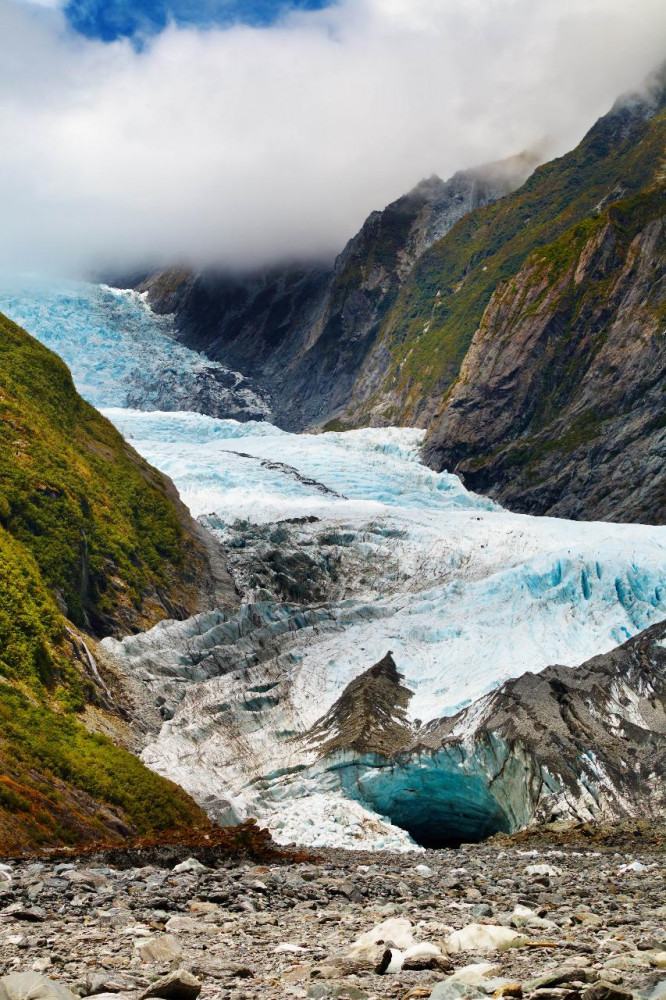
{"points": [[345, 550]]}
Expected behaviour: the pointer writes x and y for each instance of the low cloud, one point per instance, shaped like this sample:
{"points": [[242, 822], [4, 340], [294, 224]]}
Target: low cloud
{"points": [[244, 145]]}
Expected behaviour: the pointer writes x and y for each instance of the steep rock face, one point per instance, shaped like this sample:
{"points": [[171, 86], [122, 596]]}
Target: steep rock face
{"points": [[419, 351], [369, 717], [592, 739], [559, 408], [303, 332], [566, 744]]}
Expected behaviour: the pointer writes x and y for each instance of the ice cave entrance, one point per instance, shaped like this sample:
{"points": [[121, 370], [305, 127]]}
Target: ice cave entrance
{"points": [[449, 824], [438, 807]]}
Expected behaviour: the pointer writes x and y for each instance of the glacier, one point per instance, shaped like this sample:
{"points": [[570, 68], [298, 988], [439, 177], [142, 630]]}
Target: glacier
{"points": [[120, 353], [343, 546]]}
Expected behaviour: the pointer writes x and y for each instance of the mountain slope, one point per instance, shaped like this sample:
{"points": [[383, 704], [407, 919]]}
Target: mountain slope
{"points": [[426, 335], [524, 331], [108, 532], [304, 331], [588, 742], [90, 536], [559, 408]]}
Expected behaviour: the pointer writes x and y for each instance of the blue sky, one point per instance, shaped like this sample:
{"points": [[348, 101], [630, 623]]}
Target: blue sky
{"points": [[112, 19]]}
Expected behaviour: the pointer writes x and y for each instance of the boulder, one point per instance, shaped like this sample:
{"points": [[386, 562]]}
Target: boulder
{"points": [[396, 932], [179, 985], [550, 871], [190, 865], [32, 986], [392, 961], [162, 948], [484, 937]]}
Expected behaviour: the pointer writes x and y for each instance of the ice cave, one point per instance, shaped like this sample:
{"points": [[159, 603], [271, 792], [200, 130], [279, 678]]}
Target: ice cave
{"points": [[437, 804]]}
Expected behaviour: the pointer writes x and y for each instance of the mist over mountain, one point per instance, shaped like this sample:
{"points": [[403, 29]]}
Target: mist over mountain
{"points": [[245, 145]]}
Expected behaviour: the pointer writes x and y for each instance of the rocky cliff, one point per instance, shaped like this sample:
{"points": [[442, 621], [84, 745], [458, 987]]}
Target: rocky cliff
{"points": [[582, 743], [425, 337], [523, 328], [559, 407], [303, 332]]}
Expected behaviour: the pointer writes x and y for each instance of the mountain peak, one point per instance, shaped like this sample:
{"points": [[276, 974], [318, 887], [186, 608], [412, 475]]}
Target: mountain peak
{"points": [[369, 717]]}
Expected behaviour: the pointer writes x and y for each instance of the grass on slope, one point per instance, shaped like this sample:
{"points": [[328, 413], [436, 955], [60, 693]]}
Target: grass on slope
{"points": [[84, 524], [102, 525], [626, 219], [440, 306], [60, 783]]}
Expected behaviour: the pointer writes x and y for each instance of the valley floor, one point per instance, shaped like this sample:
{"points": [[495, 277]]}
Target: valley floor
{"points": [[581, 918]]}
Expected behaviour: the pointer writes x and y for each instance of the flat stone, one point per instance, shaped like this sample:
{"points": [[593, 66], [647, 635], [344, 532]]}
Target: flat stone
{"points": [[179, 985], [164, 948]]}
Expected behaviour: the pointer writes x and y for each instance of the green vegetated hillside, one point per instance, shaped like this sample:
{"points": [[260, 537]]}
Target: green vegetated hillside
{"points": [[93, 538], [107, 531], [428, 331], [560, 405]]}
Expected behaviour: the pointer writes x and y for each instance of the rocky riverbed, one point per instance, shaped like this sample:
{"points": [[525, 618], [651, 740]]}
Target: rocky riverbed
{"points": [[515, 921]]}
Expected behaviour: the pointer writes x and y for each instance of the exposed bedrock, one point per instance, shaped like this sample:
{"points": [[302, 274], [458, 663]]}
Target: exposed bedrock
{"points": [[559, 407]]}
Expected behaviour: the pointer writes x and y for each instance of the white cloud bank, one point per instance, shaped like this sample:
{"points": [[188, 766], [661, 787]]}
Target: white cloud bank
{"points": [[245, 145]]}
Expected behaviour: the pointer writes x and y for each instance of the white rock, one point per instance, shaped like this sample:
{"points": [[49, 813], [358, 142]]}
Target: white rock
{"points": [[190, 865], [289, 948], [396, 963], [396, 931], [484, 937], [550, 870], [635, 866], [522, 916], [474, 975], [423, 949], [423, 870]]}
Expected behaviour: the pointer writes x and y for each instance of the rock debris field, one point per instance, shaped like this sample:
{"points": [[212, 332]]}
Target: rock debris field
{"points": [[480, 921]]}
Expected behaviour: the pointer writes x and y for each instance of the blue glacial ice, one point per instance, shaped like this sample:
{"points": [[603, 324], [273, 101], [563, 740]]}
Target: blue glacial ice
{"points": [[120, 353], [479, 594]]}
